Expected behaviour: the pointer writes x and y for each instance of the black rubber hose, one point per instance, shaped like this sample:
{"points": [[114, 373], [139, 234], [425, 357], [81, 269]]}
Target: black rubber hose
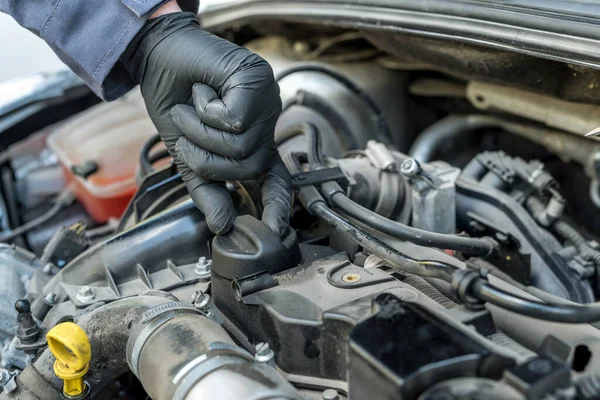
{"points": [[437, 135], [387, 253], [145, 161], [418, 236], [566, 313], [381, 125]]}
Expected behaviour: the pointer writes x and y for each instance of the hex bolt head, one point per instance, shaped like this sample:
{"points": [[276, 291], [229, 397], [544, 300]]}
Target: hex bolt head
{"points": [[47, 269], [50, 299], [203, 267], [410, 168], [85, 294], [264, 354], [331, 394]]}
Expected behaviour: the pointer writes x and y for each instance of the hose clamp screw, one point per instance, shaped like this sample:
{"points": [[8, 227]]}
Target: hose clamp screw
{"points": [[410, 168], [85, 294], [200, 300]]}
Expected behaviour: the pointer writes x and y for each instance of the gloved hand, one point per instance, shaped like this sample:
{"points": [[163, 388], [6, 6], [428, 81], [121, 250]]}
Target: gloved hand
{"points": [[228, 133]]}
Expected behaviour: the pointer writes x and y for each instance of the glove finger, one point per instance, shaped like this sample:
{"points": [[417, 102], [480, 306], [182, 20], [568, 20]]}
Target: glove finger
{"points": [[246, 100], [214, 200], [276, 188], [212, 166], [232, 145]]}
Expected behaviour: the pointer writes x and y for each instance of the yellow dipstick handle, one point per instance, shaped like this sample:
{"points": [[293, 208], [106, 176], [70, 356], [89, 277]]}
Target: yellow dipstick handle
{"points": [[71, 347]]}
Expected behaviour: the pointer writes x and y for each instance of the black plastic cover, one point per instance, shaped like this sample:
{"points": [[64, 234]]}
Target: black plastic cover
{"points": [[404, 349], [251, 247]]}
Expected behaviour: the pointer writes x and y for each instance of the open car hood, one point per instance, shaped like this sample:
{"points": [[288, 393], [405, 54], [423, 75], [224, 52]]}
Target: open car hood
{"points": [[559, 30]]}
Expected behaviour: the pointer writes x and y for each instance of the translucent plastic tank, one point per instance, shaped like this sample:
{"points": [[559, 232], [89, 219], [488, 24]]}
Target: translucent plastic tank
{"points": [[109, 136]]}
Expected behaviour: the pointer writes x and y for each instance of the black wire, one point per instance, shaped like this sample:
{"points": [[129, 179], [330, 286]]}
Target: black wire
{"points": [[145, 162], [410, 234], [159, 155], [33, 223], [433, 269], [381, 125]]}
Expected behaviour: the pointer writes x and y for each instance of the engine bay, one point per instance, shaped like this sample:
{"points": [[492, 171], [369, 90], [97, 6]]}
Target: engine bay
{"points": [[443, 245]]}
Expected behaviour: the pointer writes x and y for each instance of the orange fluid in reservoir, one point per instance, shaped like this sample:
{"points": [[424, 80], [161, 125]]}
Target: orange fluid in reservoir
{"points": [[111, 135]]}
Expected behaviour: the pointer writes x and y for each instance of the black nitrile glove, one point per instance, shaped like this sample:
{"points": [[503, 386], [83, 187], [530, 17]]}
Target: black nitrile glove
{"points": [[215, 106]]}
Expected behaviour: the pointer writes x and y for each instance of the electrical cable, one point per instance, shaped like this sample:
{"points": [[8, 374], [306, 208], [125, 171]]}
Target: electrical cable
{"points": [[433, 269], [64, 198], [145, 158], [382, 127], [480, 246]]}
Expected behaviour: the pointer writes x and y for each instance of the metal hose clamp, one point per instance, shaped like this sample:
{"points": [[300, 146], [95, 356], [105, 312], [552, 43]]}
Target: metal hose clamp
{"points": [[153, 319]]}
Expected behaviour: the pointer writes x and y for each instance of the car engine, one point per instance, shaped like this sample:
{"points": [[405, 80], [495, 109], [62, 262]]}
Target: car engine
{"points": [[443, 243]]}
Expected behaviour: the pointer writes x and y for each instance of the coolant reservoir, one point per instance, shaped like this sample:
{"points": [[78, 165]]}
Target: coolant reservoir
{"points": [[104, 143]]}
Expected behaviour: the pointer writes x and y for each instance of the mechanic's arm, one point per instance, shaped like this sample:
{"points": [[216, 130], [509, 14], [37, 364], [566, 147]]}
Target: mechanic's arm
{"points": [[214, 103], [89, 36]]}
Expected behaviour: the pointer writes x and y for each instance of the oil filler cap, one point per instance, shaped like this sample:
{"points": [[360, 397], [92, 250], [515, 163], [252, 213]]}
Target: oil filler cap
{"points": [[71, 347], [251, 247]]}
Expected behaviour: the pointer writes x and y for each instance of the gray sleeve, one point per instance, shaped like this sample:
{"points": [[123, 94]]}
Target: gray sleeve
{"points": [[88, 35]]}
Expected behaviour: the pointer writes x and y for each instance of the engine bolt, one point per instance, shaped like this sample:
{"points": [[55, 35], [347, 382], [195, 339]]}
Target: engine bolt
{"points": [[331, 394], [264, 354], [50, 299], [410, 168], [203, 267], [351, 278], [47, 269], [200, 300], [85, 294]]}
